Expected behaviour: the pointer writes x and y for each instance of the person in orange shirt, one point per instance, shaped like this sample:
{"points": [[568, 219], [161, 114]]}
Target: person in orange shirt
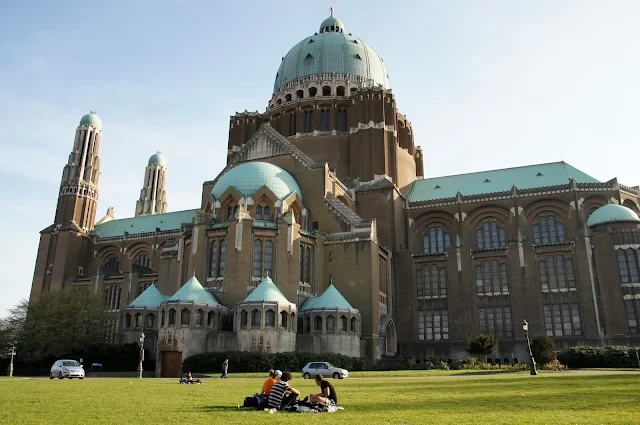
{"points": [[274, 376]]}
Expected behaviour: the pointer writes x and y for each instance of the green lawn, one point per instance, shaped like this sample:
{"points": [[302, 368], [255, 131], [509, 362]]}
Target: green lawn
{"points": [[589, 398]]}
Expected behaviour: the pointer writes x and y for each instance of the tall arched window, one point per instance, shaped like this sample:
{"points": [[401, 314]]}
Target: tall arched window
{"points": [[436, 240], [431, 281], [325, 120], [259, 212], [243, 319], [283, 319], [307, 265], [317, 323], [257, 258], [492, 277], [342, 120], [308, 121], [548, 230], [143, 260], [111, 264], [185, 317], [266, 216], [199, 318], [628, 265], [218, 257], [172, 317], [331, 323], [268, 258], [490, 235], [256, 316], [293, 118], [223, 257], [270, 318], [556, 272]]}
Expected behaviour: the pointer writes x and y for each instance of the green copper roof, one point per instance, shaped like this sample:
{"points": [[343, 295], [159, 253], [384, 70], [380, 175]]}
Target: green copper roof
{"points": [[92, 120], [150, 298], [266, 291], [611, 213], [493, 181], [145, 224], [248, 177], [332, 52], [195, 292], [332, 299], [336, 23], [158, 159]]}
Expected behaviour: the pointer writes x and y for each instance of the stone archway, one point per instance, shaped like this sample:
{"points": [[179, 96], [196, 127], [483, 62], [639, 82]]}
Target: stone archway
{"points": [[388, 337]]}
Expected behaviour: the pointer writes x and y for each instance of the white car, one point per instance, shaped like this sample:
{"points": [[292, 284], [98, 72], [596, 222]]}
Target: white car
{"points": [[66, 369], [325, 369]]}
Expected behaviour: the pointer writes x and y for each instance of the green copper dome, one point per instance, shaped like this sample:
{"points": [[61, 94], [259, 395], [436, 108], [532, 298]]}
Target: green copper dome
{"points": [[158, 159], [248, 177], [612, 213], [92, 120], [331, 52]]}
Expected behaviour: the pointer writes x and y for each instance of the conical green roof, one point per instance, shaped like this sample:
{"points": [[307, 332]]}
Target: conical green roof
{"points": [[266, 291], [332, 299], [195, 292], [150, 298]]}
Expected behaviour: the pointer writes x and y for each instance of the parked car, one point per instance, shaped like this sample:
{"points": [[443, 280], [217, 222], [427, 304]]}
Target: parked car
{"points": [[66, 369], [325, 369]]}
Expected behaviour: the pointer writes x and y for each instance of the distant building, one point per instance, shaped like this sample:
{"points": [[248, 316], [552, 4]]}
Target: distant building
{"points": [[322, 235]]}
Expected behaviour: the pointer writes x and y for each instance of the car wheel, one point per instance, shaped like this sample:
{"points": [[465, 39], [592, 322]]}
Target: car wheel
{"points": [[336, 375], [306, 375], [70, 378], [50, 375], [60, 375]]}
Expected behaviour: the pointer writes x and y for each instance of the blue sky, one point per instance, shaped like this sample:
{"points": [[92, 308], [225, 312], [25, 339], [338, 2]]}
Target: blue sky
{"points": [[486, 85]]}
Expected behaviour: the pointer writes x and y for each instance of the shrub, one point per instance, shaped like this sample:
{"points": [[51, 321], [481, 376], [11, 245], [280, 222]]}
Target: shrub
{"points": [[604, 357], [482, 345], [543, 349], [553, 365]]}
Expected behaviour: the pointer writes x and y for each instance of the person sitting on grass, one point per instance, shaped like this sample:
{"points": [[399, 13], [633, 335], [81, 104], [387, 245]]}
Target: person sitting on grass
{"points": [[189, 379], [327, 395], [274, 376], [282, 394]]}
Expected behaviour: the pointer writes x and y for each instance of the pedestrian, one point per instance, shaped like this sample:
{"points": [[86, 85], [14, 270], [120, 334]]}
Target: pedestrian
{"points": [[225, 369]]}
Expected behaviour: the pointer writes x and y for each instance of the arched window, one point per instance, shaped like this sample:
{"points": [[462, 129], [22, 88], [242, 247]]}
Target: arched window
{"points": [[266, 213], [628, 265], [299, 94], [255, 318], [162, 318], [270, 318], [283, 319], [343, 323], [340, 91], [331, 323], [259, 212], [313, 91], [279, 102], [490, 235], [307, 264], [138, 317], [111, 264], [213, 265], [229, 213], [243, 319], [293, 320], [293, 121], [307, 324], [268, 258], [308, 121], [143, 260], [172, 317], [436, 240], [211, 319], [431, 281], [223, 257], [317, 323], [325, 120], [151, 320], [185, 317], [556, 272], [257, 258], [492, 277], [287, 97], [326, 91], [353, 324], [548, 230], [198, 319], [342, 120], [301, 264], [127, 321]]}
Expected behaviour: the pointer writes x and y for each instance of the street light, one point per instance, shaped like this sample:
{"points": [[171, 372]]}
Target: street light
{"points": [[525, 328], [141, 354], [13, 353]]}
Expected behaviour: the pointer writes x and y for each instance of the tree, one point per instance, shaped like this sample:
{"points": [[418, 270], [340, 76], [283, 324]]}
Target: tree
{"points": [[482, 345], [543, 349], [64, 322], [11, 326]]}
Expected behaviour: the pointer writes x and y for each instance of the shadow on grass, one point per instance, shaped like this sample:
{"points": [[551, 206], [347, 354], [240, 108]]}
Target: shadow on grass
{"points": [[210, 409]]}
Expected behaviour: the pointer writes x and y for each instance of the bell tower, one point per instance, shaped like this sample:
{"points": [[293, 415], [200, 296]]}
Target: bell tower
{"points": [[153, 196], [78, 195]]}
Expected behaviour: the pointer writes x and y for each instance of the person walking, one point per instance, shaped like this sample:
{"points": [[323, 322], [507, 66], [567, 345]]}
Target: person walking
{"points": [[225, 368]]}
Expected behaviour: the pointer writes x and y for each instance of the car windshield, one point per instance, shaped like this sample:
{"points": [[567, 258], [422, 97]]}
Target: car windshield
{"points": [[70, 363]]}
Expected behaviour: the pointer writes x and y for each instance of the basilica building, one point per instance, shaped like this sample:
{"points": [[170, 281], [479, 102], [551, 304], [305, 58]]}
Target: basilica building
{"points": [[323, 234]]}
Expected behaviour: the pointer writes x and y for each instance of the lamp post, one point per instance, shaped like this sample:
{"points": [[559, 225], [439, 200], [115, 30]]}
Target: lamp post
{"points": [[13, 353], [525, 328], [141, 354]]}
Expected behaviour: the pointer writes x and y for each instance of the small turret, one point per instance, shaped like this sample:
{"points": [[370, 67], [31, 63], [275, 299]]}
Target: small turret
{"points": [[153, 196]]}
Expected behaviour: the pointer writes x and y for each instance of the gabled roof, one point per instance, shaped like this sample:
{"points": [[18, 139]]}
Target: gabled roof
{"points": [[496, 181], [145, 223], [194, 291], [150, 298], [266, 291], [332, 299]]}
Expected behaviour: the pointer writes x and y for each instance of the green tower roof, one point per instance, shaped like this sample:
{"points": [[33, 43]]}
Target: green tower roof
{"points": [[194, 292], [248, 177], [612, 213], [150, 298], [266, 291], [92, 120], [329, 52], [332, 299], [158, 159]]}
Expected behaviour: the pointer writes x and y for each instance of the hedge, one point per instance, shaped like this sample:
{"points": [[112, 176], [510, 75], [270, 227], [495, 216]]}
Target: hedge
{"points": [[603, 357]]}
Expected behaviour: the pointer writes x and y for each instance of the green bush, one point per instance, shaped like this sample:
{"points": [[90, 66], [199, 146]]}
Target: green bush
{"points": [[482, 345], [553, 365], [543, 349], [602, 357]]}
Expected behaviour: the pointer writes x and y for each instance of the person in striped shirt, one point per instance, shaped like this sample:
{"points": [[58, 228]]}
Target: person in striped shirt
{"points": [[282, 394]]}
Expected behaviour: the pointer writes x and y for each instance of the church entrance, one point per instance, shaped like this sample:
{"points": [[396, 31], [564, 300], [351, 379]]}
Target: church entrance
{"points": [[171, 364]]}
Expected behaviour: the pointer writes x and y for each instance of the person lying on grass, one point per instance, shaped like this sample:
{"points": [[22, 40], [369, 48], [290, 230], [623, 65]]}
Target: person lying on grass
{"points": [[327, 393], [282, 394]]}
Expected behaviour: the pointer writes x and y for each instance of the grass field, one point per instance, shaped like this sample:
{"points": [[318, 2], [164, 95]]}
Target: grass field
{"points": [[587, 398]]}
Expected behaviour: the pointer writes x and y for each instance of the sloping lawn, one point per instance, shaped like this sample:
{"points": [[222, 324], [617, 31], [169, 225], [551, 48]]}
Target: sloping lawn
{"points": [[588, 398]]}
